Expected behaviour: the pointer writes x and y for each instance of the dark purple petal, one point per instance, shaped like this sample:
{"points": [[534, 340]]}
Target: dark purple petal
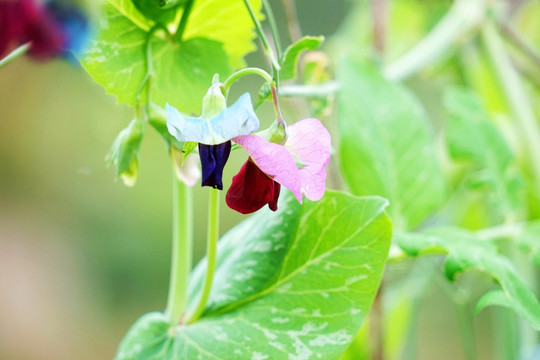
{"points": [[251, 189], [213, 159]]}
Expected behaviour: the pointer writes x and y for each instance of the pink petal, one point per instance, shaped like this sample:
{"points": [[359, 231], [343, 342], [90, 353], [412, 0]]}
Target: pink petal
{"points": [[274, 160], [309, 141]]}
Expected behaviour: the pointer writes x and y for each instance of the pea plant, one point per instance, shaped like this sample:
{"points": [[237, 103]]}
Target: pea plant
{"points": [[432, 151]]}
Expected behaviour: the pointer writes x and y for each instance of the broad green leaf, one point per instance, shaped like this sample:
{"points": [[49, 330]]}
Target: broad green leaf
{"points": [[289, 59], [386, 147], [467, 251], [218, 34], [472, 137], [296, 283]]}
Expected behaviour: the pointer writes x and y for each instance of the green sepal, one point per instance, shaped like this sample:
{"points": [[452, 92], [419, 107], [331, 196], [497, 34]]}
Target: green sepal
{"points": [[276, 133], [189, 146], [214, 101]]}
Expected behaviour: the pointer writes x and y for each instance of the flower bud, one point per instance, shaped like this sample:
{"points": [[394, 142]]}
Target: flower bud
{"points": [[124, 152], [213, 102]]}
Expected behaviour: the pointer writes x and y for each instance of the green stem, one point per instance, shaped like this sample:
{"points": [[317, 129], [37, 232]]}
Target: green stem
{"points": [[466, 330], [149, 74], [258, 27], [293, 27], [521, 42], [460, 297], [244, 72], [516, 95], [182, 249], [211, 254], [463, 16], [183, 21], [14, 54], [273, 26], [277, 110], [322, 90]]}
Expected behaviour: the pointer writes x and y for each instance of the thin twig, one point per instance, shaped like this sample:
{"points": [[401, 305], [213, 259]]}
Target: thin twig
{"points": [[379, 11], [522, 43], [293, 27], [14, 54]]}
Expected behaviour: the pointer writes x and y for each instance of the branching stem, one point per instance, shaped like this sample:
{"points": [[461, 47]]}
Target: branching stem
{"points": [[264, 40]]}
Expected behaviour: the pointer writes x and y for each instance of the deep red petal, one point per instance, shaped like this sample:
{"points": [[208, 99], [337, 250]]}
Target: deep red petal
{"points": [[251, 189]]}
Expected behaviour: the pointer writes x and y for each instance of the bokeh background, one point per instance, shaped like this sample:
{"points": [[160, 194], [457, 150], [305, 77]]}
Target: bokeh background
{"points": [[81, 255]]}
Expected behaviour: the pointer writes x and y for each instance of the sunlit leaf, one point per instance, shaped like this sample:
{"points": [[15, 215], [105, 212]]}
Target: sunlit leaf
{"points": [[292, 284], [386, 147], [217, 36]]}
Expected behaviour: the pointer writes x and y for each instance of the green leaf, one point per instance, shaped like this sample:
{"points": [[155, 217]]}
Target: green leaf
{"points": [[467, 251], [386, 147], [128, 9], [492, 298], [152, 10], [289, 59], [225, 21], [472, 137], [218, 35], [296, 283]]}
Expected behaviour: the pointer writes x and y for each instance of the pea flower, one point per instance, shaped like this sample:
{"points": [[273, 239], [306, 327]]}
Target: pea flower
{"points": [[53, 28], [299, 165], [213, 130]]}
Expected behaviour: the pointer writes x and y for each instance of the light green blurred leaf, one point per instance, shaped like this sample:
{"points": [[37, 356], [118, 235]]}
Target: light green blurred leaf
{"points": [[529, 241], [296, 283], [289, 59], [467, 251], [219, 33], [492, 298], [386, 147], [472, 137]]}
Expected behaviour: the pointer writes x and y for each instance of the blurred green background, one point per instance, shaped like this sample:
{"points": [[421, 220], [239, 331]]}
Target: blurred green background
{"points": [[82, 256]]}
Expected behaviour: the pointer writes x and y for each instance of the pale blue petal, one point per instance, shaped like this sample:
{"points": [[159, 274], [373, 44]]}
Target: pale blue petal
{"points": [[191, 129], [236, 120]]}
